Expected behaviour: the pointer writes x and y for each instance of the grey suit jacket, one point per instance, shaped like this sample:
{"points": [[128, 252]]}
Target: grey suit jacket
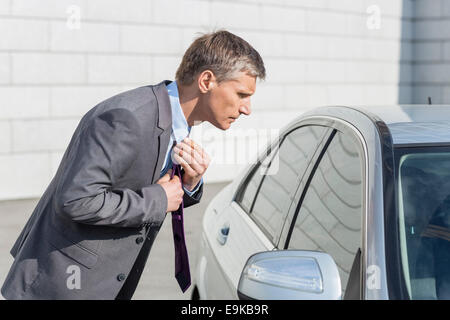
{"points": [[87, 229]]}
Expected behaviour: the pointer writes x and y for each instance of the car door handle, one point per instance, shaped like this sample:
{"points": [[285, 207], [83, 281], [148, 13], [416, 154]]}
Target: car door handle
{"points": [[223, 234]]}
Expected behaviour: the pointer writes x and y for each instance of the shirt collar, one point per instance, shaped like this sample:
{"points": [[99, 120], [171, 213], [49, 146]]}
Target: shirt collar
{"points": [[180, 127]]}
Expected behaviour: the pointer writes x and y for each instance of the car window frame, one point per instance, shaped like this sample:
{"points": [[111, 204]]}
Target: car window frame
{"points": [[274, 146], [344, 127]]}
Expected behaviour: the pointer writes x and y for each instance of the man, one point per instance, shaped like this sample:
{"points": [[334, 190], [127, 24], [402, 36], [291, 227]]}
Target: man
{"points": [[90, 234]]}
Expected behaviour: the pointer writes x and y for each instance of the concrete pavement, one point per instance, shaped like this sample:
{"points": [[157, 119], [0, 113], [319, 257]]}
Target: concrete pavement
{"points": [[157, 281]]}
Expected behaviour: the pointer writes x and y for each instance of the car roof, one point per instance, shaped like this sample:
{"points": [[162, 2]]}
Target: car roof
{"points": [[408, 124]]}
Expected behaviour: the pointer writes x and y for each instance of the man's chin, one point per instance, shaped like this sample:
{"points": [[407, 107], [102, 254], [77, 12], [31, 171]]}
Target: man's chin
{"points": [[227, 126], [222, 125]]}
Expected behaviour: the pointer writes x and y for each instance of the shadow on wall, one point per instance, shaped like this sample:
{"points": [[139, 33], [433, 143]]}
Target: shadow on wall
{"points": [[425, 41]]}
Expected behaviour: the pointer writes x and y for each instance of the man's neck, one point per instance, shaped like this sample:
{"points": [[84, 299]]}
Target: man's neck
{"points": [[189, 100]]}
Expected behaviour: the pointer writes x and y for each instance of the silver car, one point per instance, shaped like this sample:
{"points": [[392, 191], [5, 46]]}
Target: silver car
{"points": [[349, 203]]}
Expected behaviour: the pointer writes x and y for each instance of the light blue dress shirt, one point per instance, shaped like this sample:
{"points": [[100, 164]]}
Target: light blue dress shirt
{"points": [[180, 130]]}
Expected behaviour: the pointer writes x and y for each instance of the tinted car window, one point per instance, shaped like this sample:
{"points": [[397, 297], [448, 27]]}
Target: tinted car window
{"points": [[270, 191], [424, 220], [329, 219]]}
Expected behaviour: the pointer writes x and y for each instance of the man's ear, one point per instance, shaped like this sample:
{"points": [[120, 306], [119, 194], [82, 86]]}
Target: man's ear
{"points": [[206, 81]]}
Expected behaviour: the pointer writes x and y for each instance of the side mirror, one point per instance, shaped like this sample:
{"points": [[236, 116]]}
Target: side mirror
{"points": [[290, 275]]}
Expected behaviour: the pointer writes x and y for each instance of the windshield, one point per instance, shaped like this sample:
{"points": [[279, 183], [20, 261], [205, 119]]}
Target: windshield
{"points": [[423, 202]]}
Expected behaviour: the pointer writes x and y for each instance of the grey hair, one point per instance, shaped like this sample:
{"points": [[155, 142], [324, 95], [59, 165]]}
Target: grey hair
{"points": [[222, 52]]}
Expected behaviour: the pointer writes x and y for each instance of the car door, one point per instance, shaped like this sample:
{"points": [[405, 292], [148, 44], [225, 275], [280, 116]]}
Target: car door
{"points": [[328, 215], [254, 219]]}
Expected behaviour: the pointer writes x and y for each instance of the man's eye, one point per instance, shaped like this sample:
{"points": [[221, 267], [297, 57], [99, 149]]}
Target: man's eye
{"points": [[242, 95]]}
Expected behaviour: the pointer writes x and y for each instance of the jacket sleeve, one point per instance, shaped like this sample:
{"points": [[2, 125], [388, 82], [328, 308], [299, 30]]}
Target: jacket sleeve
{"points": [[106, 149]]}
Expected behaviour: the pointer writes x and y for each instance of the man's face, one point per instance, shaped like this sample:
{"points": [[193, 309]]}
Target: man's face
{"points": [[229, 99]]}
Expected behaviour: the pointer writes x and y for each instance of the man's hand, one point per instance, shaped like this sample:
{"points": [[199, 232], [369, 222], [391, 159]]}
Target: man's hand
{"points": [[193, 159], [173, 189]]}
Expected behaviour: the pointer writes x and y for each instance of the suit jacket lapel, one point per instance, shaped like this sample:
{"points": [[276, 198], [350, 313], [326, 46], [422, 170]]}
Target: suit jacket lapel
{"points": [[164, 128]]}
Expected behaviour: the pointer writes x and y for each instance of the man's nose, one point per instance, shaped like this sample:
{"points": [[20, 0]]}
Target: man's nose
{"points": [[245, 109]]}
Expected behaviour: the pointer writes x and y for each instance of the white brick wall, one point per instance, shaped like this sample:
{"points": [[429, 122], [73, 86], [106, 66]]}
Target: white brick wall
{"points": [[74, 102], [275, 18], [4, 7], [5, 137], [53, 134], [24, 34], [23, 102], [24, 174], [151, 39], [43, 8], [181, 12], [164, 67], [5, 68], [235, 14], [119, 69], [317, 52], [134, 11], [48, 68], [91, 37]]}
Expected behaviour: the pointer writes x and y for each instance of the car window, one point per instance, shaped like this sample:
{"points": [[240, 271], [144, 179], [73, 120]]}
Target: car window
{"points": [[270, 190], [329, 219], [423, 204]]}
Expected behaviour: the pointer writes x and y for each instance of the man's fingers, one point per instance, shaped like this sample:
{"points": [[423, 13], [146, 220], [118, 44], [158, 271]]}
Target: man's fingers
{"points": [[185, 154], [191, 155], [192, 143], [176, 180], [192, 162], [194, 150], [166, 177], [202, 157], [185, 165]]}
